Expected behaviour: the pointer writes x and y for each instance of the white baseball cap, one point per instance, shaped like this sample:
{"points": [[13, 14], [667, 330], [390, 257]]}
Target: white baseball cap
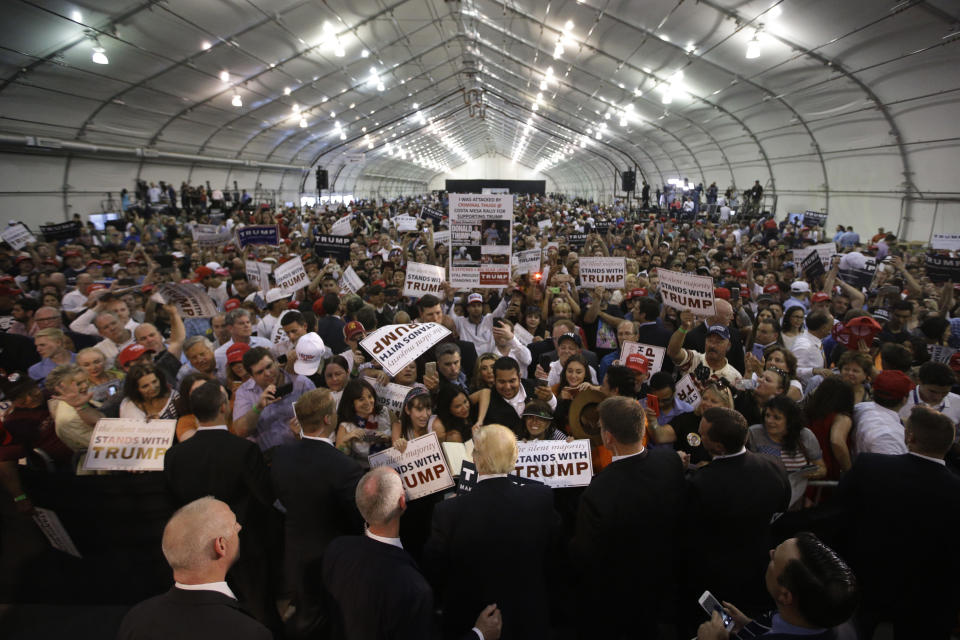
{"points": [[799, 286], [310, 350], [276, 294]]}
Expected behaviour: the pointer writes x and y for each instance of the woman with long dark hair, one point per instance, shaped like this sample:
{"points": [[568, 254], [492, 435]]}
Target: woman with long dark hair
{"points": [[457, 413], [416, 419], [363, 426], [147, 396], [791, 326], [829, 412]]}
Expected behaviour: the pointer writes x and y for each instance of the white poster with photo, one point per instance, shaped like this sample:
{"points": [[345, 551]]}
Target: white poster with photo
{"points": [[119, 444], [688, 391], [55, 532], [342, 227], [191, 300], [422, 279], [258, 274], [609, 273], [17, 236], [397, 345], [392, 395], [653, 354], [291, 276], [687, 291], [422, 466], [481, 235], [350, 281], [556, 463], [944, 241], [526, 261]]}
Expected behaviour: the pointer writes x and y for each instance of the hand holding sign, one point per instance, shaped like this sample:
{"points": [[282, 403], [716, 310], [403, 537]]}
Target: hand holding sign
{"points": [[687, 319]]}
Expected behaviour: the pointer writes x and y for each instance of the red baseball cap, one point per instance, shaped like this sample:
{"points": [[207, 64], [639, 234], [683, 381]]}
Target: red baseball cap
{"points": [[721, 292], [353, 329], [203, 272], [638, 362], [131, 353], [235, 352], [892, 384], [231, 304], [819, 296], [771, 288]]}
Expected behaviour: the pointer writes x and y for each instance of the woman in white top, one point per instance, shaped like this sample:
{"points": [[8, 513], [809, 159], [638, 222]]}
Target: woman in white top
{"points": [[791, 326], [147, 396], [364, 427], [417, 419]]}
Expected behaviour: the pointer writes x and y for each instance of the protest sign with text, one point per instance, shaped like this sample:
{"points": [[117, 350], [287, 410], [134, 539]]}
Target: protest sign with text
{"points": [[210, 236], [946, 241], [397, 345], [392, 395], [17, 236], [481, 234], [258, 274], [422, 279], [609, 273], [119, 444], [330, 246], [556, 463], [61, 231], [811, 266], [422, 466], [527, 261], [55, 532], [826, 251], [350, 280], [441, 237], [191, 300], [686, 291], [431, 214], [942, 268], [858, 277], [653, 354], [342, 226], [405, 222], [291, 276], [687, 391], [262, 234]]}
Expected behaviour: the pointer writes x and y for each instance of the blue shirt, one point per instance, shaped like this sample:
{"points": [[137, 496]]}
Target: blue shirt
{"points": [[42, 369], [272, 425]]}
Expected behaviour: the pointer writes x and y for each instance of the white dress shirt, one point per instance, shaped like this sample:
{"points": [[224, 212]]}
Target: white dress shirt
{"points": [[481, 335], [808, 349], [519, 401], [520, 353], [877, 430], [220, 587], [949, 406], [391, 541]]}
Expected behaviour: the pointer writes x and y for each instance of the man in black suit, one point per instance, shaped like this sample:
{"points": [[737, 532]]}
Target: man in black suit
{"points": [[214, 462], [482, 541], [901, 516], [730, 503], [510, 393], [315, 483], [200, 542], [544, 352], [375, 589], [638, 490], [329, 326], [697, 337]]}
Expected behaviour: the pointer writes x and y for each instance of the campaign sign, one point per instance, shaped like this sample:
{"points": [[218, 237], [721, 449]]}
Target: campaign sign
{"points": [[422, 466], [859, 278], [330, 246], [940, 353], [119, 444], [397, 345], [688, 391], [527, 261], [945, 241], [814, 219], [609, 273], [826, 251], [942, 268], [811, 265], [422, 279], [441, 237], [258, 274], [210, 236], [392, 395], [576, 239], [53, 529], [191, 300], [291, 276], [556, 463], [468, 477], [17, 236], [653, 354], [481, 236], [687, 291], [265, 234], [62, 231], [342, 226], [405, 222], [431, 214], [350, 280]]}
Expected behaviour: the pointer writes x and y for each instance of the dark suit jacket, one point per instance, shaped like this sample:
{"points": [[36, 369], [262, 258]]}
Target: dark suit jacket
{"points": [[547, 354], [902, 514], [315, 483], [500, 412], [622, 502], [697, 339], [377, 592], [495, 545], [729, 505], [190, 615], [468, 358], [330, 330]]}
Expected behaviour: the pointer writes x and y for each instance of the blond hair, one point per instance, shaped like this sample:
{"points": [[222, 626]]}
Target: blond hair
{"points": [[494, 449]]}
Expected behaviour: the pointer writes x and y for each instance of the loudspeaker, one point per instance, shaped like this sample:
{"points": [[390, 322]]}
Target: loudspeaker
{"points": [[629, 180], [321, 179]]}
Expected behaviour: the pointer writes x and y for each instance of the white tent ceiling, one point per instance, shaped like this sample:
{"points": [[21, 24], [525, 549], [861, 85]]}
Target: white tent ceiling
{"points": [[835, 83]]}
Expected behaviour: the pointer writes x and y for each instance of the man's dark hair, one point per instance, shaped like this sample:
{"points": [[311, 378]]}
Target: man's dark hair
{"points": [[292, 316], [374, 290], [937, 374], [253, 356], [207, 399], [331, 302], [932, 431], [367, 316], [903, 305], [621, 379], [427, 302], [27, 304], [650, 309], [816, 320], [661, 380], [505, 363], [623, 418], [445, 349], [823, 586], [894, 355], [728, 427]]}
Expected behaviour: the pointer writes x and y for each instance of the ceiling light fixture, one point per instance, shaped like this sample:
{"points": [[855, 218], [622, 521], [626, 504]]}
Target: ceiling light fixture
{"points": [[753, 47], [76, 16], [205, 45], [365, 54], [303, 123], [224, 76], [237, 100], [286, 91], [99, 55]]}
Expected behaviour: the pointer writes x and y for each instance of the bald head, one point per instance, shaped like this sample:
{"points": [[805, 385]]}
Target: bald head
{"points": [[724, 312], [191, 534]]}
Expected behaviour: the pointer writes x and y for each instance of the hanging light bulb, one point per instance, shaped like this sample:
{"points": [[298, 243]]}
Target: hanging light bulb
{"points": [[380, 87], [237, 100], [667, 97], [286, 91], [224, 76], [753, 48], [99, 53], [339, 51], [303, 123]]}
